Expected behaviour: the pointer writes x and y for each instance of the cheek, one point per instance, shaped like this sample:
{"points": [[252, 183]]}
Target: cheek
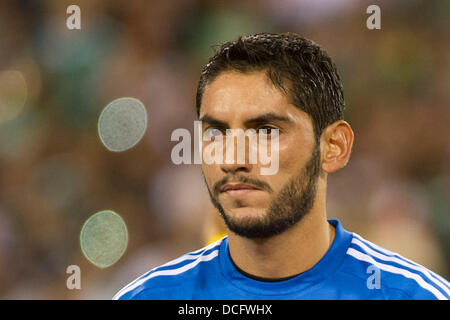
{"points": [[211, 173], [288, 165], [293, 155]]}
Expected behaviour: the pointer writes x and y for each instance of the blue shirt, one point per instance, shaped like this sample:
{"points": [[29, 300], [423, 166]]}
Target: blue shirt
{"points": [[352, 268]]}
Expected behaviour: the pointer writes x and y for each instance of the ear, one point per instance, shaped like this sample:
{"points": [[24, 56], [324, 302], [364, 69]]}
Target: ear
{"points": [[336, 144]]}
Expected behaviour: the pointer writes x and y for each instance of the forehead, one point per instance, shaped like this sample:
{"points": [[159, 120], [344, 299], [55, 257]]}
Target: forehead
{"points": [[234, 95]]}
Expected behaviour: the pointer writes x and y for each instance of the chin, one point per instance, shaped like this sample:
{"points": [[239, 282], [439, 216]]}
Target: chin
{"points": [[244, 213]]}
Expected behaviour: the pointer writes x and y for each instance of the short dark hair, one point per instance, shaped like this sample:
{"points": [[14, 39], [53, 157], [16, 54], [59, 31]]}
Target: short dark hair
{"points": [[297, 66]]}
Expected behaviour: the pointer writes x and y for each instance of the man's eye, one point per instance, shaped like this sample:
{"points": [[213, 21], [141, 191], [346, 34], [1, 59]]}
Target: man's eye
{"points": [[267, 130], [212, 132]]}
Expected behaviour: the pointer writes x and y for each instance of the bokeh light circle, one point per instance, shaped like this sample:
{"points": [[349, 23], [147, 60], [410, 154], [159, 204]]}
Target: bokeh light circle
{"points": [[122, 124], [13, 94], [104, 238]]}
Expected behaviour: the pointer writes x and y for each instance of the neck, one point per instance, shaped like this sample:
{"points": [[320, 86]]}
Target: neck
{"points": [[292, 252]]}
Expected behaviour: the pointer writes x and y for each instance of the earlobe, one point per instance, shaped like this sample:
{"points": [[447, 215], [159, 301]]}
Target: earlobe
{"points": [[337, 142]]}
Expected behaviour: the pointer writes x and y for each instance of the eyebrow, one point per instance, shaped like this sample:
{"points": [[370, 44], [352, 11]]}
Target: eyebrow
{"points": [[268, 117], [264, 118], [211, 120]]}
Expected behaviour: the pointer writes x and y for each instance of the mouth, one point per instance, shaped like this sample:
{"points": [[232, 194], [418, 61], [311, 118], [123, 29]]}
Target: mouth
{"points": [[237, 189]]}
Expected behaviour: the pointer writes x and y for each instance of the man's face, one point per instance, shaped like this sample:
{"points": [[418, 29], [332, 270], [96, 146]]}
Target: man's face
{"points": [[255, 205]]}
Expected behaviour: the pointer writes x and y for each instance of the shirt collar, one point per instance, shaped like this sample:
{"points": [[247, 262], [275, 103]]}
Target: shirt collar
{"points": [[304, 281]]}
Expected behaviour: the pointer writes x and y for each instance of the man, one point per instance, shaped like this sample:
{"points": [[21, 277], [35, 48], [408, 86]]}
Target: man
{"points": [[280, 244]]}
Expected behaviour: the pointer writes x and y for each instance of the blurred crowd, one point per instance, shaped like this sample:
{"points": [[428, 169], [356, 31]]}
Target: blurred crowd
{"points": [[55, 173]]}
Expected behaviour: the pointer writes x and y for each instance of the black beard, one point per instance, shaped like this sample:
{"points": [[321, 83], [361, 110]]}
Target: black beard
{"points": [[291, 204]]}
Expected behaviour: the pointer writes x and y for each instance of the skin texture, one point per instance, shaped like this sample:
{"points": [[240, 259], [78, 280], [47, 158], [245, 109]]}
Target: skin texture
{"points": [[233, 99]]}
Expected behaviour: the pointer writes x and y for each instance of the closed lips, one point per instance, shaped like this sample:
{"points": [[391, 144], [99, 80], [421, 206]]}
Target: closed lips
{"points": [[239, 186]]}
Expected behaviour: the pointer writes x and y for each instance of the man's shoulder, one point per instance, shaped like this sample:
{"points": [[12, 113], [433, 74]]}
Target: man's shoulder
{"points": [[165, 281], [391, 275]]}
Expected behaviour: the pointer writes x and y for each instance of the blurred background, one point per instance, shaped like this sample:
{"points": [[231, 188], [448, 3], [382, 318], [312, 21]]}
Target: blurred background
{"points": [[55, 173]]}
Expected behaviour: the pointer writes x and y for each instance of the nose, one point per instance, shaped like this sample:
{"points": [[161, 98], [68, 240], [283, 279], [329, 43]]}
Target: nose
{"points": [[236, 156], [236, 168]]}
